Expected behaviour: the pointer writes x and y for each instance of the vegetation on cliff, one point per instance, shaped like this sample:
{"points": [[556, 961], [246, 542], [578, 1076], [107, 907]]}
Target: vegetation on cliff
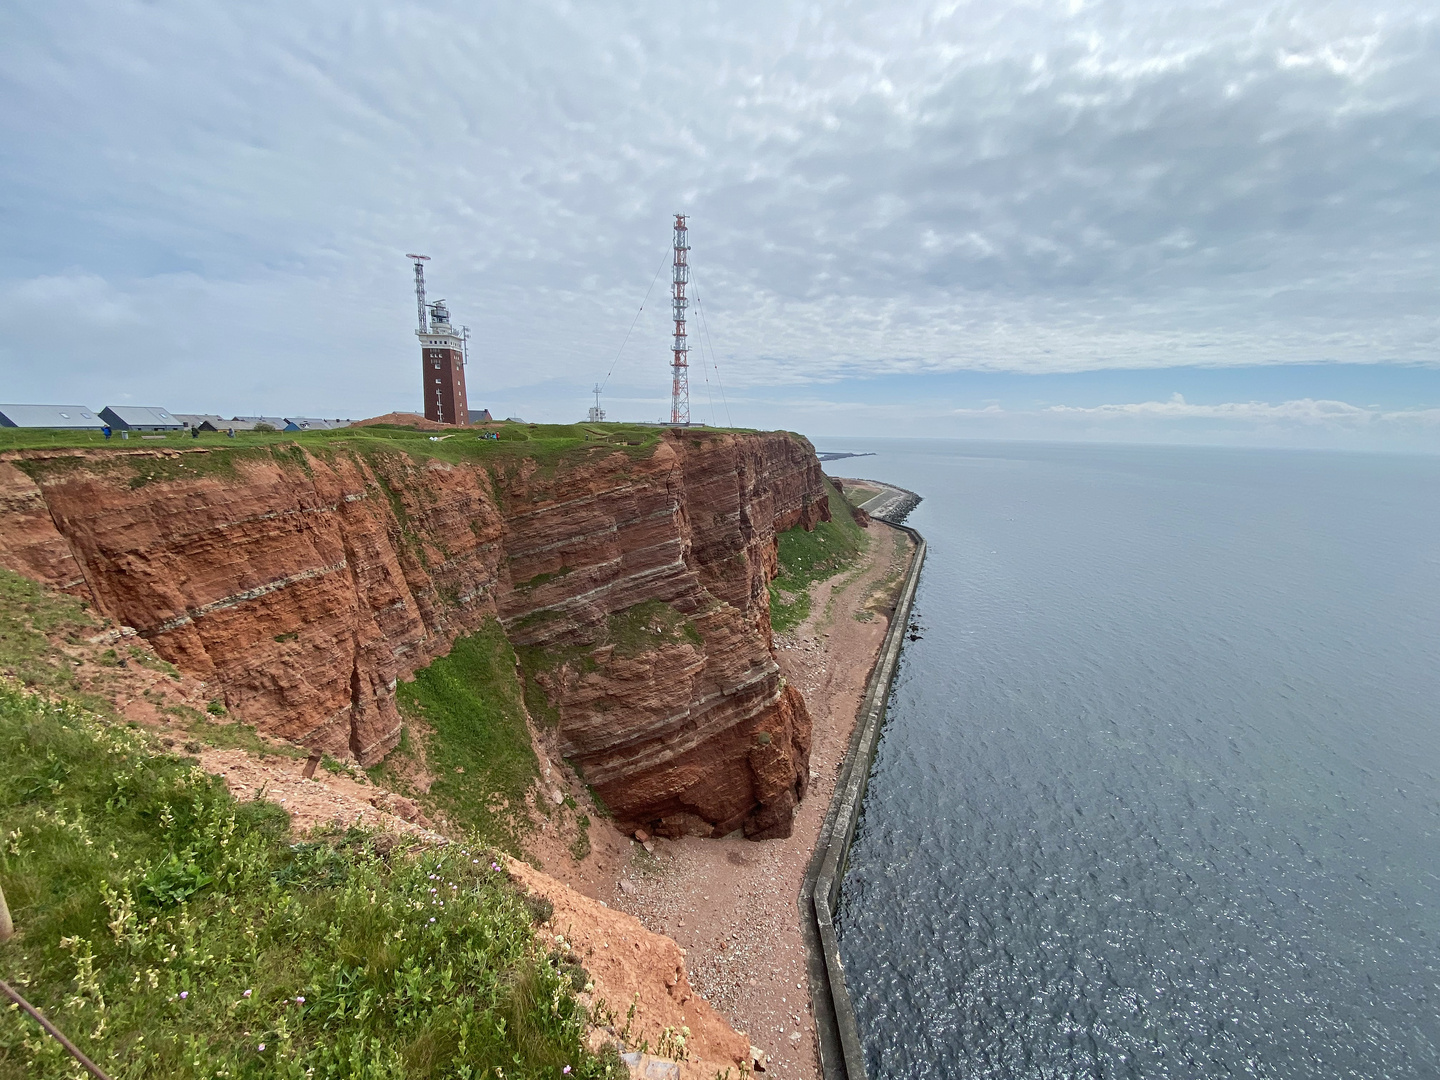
{"points": [[808, 557], [476, 744], [174, 932]]}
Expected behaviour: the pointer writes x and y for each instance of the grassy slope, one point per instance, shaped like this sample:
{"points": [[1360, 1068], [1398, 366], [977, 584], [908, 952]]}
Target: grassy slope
{"points": [[808, 557], [479, 747], [134, 878], [29, 616], [175, 933]]}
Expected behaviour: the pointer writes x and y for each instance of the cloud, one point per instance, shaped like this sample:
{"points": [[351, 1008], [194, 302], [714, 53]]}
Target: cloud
{"points": [[874, 188], [1301, 411]]}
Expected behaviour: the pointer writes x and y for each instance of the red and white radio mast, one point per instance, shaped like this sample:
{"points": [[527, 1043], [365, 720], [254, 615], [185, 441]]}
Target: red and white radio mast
{"points": [[680, 365]]}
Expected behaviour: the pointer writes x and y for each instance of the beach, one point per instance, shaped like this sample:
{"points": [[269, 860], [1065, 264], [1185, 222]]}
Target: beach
{"points": [[733, 904]]}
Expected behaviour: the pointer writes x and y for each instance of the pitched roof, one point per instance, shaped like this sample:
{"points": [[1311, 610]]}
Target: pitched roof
{"points": [[196, 419], [311, 423], [50, 416], [141, 416]]}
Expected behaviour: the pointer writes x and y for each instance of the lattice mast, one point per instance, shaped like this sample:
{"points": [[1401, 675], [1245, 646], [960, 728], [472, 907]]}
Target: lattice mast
{"points": [[680, 364], [420, 261]]}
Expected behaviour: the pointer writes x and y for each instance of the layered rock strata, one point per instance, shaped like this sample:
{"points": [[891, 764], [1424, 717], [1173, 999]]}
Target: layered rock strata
{"points": [[303, 586]]}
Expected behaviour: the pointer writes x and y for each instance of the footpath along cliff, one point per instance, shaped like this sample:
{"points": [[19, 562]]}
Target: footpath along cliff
{"points": [[302, 580]]}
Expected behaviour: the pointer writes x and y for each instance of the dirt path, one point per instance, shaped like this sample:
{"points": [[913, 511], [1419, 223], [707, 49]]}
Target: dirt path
{"points": [[733, 904]]}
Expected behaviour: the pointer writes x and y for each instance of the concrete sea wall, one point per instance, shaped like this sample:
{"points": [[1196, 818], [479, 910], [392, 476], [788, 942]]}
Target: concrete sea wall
{"points": [[841, 1053]]}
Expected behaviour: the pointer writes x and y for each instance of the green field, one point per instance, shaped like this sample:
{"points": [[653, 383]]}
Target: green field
{"points": [[542, 441]]}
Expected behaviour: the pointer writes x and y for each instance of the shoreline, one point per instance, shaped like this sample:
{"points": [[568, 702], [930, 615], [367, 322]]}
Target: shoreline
{"points": [[839, 1045], [736, 906]]}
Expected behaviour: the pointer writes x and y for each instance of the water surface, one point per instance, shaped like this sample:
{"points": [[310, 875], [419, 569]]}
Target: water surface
{"points": [[1157, 795]]}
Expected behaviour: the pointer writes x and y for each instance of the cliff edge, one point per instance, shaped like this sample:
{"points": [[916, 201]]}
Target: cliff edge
{"points": [[303, 579]]}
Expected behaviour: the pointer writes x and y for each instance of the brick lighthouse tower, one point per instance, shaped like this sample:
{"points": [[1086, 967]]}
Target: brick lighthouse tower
{"points": [[442, 356]]}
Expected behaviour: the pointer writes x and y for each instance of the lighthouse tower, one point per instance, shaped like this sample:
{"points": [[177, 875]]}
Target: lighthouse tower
{"points": [[442, 357]]}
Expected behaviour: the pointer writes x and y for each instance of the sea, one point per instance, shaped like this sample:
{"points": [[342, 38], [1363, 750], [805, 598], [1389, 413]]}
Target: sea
{"points": [[1158, 792]]}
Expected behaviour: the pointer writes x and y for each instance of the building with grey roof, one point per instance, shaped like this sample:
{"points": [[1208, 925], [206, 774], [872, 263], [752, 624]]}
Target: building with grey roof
{"points": [[50, 416], [277, 422], [139, 418], [200, 421], [311, 423]]}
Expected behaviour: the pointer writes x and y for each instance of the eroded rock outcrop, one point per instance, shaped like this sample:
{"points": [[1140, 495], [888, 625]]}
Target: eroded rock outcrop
{"points": [[303, 585]]}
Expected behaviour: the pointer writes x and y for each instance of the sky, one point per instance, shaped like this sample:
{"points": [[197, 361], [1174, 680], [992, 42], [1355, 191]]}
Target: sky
{"points": [[1207, 222]]}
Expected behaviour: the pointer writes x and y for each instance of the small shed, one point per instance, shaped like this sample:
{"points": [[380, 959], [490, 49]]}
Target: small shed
{"points": [[140, 418], [73, 417]]}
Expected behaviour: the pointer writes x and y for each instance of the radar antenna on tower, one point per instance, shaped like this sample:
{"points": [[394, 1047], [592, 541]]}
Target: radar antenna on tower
{"points": [[420, 261], [680, 363], [597, 414]]}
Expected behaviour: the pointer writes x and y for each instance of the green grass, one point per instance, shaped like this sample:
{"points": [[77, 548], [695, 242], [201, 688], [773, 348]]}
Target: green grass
{"points": [[648, 625], [29, 615], [544, 443], [808, 557], [471, 702], [174, 932]]}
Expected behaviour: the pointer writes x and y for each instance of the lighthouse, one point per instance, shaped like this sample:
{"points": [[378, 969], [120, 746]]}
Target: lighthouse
{"points": [[442, 356]]}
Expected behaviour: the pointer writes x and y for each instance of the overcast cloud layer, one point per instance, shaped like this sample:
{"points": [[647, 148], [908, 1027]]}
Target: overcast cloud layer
{"points": [[207, 205]]}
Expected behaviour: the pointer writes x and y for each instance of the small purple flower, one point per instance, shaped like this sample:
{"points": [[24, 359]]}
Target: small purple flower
{"points": [[432, 918], [566, 1070], [184, 994], [299, 1001], [247, 993], [262, 1046]]}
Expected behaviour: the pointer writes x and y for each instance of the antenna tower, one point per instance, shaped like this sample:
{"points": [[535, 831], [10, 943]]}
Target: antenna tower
{"points": [[680, 365], [420, 261], [597, 414]]}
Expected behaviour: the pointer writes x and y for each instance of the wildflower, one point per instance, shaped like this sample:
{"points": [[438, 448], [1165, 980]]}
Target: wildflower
{"points": [[566, 1070], [184, 994], [262, 1046], [432, 918], [247, 993], [299, 1001]]}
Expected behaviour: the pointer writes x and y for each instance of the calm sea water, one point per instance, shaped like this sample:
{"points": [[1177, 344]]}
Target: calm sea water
{"points": [[1159, 791]]}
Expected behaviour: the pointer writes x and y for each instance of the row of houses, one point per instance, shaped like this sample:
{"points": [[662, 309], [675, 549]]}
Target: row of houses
{"points": [[149, 418]]}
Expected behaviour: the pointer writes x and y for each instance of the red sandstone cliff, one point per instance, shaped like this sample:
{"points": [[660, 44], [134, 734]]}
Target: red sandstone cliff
{"points": [[302, 586]]}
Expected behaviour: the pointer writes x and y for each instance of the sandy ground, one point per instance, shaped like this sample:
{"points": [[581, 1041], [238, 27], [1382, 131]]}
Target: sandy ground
{"points": [[733, 904]]}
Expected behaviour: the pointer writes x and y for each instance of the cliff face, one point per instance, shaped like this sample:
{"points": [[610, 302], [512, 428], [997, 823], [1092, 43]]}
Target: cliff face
{"points": [[303, 586]]}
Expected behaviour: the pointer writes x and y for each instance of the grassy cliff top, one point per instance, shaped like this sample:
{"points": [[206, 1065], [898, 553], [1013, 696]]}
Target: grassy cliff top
{"points": [[546, 444]]}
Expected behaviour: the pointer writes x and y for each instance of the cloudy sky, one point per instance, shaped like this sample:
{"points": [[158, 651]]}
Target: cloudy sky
{"points": [[1185, 221]]}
